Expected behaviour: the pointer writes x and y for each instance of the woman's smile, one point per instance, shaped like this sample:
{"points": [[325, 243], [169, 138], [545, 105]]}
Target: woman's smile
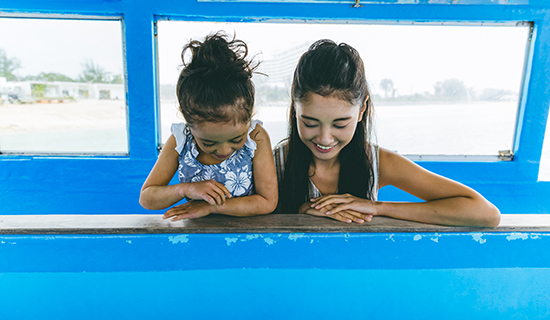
{"points": [[326, 124], [324, 149]]}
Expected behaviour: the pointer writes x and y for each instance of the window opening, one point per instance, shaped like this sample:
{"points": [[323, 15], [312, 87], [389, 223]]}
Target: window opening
{"points": [[62, 87], [437, 89]]}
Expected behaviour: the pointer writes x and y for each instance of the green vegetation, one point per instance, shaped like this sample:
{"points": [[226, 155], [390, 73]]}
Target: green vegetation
{"points": [[91, 72], [8, 66], [95, 74], [448, 91], [48, 77], [388, 87], [38, 90]]}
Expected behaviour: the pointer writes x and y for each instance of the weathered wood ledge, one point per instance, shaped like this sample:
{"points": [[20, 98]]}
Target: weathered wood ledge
{"points": [[274, 223]]}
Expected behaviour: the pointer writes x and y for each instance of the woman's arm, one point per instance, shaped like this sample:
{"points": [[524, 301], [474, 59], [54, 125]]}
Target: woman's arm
{"points": [[264, 201], [447, 202], [347, 216], [157, 194]]}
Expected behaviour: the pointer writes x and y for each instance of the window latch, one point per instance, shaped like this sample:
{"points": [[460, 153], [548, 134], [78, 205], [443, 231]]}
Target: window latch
{"points": [[505, 155]]}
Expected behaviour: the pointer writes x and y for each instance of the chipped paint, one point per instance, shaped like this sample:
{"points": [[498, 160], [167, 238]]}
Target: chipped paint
{"points": [[391, 238], [182, 238], [295, 236], [252, 236], [535, 236], [516, 236], [417, 237], [231, 240], [478, 237], [435, 238], [129, 241], [269, 241]]}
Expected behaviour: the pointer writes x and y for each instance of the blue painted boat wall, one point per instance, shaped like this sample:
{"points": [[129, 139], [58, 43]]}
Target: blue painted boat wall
{"points": [[111, 184], [276, 276], [409, 275]]}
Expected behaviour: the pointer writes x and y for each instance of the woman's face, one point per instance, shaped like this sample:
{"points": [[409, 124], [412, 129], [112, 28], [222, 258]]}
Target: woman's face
{"points": [[327, 124]]}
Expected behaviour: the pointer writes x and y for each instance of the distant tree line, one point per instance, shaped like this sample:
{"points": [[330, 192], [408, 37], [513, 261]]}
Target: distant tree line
{"points": [[447, 90], [91, 72]]}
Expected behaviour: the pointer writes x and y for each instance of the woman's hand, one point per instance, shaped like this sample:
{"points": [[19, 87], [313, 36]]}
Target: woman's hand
{"points": [[339, 204], [210, 191], [189, 210], [347, 216]]}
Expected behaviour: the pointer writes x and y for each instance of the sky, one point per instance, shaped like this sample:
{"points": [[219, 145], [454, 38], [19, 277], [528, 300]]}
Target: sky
{"points": [[413, 56], [50, 45]]}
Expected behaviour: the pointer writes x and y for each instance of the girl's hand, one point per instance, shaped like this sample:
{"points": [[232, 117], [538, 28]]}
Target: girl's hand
{"points": [[210, 191], [189, 210], [337, 203], [347, 216]]}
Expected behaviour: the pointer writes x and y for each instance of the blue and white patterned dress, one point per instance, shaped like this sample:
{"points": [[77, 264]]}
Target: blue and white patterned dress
{"points": [[235, 172]]}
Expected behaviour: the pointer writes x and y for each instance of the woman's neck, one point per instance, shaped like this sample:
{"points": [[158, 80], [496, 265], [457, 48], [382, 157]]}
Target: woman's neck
{"points": [[325, 175], [329, 164]]}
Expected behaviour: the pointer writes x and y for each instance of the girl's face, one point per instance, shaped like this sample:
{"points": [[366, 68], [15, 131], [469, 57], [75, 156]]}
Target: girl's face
{"points": [[217, 141], [327, 124]]}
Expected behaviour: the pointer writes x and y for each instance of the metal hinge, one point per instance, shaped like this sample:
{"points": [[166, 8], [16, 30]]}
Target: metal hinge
{"points": [[505, 155]]}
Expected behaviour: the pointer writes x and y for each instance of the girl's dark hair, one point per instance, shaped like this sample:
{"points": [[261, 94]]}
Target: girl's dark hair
{"points": [[328, 69], [216, 84]]}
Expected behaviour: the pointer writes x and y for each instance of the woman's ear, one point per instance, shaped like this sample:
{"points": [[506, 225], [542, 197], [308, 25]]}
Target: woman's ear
{"points": [[363, 109]]}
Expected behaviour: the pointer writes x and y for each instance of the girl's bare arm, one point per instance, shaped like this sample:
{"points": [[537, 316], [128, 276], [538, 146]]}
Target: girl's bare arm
{"points": [[157, 194]]}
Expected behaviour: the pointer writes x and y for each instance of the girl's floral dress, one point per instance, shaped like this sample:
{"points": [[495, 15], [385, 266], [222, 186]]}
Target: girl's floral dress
{"points": [[234, 172]]}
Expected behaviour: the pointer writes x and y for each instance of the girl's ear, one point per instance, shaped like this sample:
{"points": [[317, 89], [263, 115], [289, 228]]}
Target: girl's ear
{"points": [[363, 109]]}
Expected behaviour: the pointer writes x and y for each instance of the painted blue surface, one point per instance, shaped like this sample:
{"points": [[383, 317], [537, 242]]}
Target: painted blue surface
{"points": [[292, 276], [279, 294], [103, 185], [274, 276], [173, 252]]}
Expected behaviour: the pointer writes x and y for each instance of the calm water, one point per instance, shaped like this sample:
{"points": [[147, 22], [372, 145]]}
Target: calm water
{"points": [[467, 129]]}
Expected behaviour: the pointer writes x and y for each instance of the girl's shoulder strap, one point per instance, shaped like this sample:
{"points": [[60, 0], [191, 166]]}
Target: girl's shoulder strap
{"points": [[181, 132], [374, 157], [250, 143]]}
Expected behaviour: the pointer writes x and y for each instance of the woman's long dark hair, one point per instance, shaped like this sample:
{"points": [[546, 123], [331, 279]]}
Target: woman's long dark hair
{"points": [[328, 69], [216, 84]]}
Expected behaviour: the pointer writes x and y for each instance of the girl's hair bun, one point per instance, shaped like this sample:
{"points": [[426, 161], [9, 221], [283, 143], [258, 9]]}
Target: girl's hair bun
{"points": [[218, 56], [215, 84]]}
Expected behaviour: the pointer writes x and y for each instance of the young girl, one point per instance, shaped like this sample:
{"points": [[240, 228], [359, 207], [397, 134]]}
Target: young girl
{"points": [[223, 158], [328, 167]]}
